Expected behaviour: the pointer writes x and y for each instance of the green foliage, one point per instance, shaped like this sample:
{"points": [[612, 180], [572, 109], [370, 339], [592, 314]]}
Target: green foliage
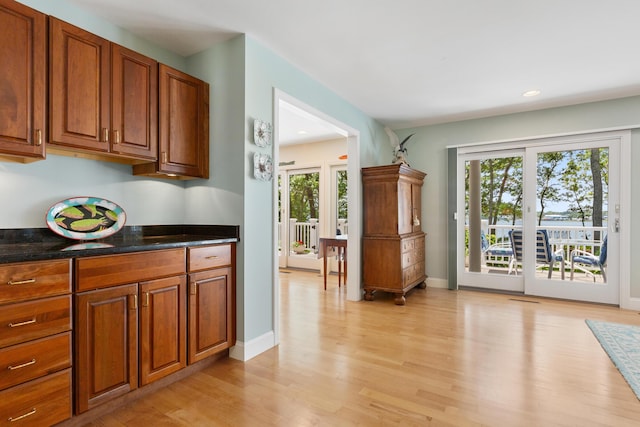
{"points": [[304, 196], [342, 195], [578, 177]]}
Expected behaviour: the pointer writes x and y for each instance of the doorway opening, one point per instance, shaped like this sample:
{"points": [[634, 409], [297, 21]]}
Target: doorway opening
{"points": [[345, 166]]}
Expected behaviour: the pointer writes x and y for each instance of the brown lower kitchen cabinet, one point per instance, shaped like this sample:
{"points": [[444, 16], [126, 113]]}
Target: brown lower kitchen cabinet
{"points": [[111, 358], [211, 300], [163, 329], [106, 356], [35, 343]]}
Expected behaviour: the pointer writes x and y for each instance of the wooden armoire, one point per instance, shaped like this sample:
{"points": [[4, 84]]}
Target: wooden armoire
{"points": [[393, 246]]}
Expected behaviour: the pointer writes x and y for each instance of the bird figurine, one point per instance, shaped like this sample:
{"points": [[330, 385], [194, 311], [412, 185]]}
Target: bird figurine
{"points": [[399, 149]]}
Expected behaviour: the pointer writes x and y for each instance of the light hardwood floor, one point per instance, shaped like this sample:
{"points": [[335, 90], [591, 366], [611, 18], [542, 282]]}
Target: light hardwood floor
{"points": [[446, 358]]}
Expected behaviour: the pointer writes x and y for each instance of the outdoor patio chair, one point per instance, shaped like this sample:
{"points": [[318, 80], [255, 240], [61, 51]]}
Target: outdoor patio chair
{"points": [[544, 256], [499, 249], [588, 262]]}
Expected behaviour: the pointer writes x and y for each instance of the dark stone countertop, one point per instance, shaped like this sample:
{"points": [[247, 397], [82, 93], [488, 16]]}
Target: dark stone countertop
{"points": [[35, 244]]}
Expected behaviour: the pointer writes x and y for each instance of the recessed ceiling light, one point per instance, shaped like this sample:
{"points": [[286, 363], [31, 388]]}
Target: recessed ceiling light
{"points": [[302, 132], [530, 93]]}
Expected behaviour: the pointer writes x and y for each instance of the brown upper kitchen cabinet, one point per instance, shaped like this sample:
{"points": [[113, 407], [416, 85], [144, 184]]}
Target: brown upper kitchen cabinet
{"points": [[23, 82], [103, 97], [183, 127]]}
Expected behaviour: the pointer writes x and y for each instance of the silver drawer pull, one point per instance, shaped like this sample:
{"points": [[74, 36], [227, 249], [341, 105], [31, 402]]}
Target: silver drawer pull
{"points": [[22, 365], [31, 412], [212, 257], [21, 282], [26, 322]]}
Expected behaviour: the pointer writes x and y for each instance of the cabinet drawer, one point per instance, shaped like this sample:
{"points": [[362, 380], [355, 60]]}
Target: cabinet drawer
{"points": [[30, 280], [407, 245], [111, 270], [34, 359], [25, 321], [207, 257], [408, 259], [42, 402]]}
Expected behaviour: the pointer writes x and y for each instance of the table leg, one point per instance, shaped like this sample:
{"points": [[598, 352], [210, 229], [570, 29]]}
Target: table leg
{"points": [[344, 254], [339, 264], [324, 261]]}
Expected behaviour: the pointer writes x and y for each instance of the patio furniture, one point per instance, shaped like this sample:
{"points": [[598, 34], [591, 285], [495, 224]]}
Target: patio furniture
{"points": [[544, 255], [590, 263], [498, 249]]}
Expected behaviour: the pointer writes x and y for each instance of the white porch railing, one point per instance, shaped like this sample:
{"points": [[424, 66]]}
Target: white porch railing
{"points": [[307, 233], [343, 226], [565, 237]]}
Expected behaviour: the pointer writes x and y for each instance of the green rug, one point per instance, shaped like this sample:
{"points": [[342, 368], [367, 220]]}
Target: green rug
{"points": [[622, 344]]}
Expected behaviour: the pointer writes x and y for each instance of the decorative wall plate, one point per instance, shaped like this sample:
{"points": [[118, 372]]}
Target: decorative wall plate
{"points": [[85, 218], [261, 133], [262, 167]]}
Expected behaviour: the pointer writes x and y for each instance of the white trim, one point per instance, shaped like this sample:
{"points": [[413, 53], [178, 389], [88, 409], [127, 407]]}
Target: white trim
{"points": [[632, 303], [626, 300], [551, 135], [434, 282], [581, 138], [354, 281], [244, 351]]}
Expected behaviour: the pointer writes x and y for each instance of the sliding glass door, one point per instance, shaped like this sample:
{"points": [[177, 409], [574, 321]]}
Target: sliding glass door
{"points": [[543, 219]]}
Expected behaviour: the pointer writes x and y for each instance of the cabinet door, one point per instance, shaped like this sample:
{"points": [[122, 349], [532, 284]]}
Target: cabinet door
{"points": [[162, 327], [416, 205], [184, 124], [106, 334], [23, 85], [134, 104], [80, 80], [405, 207], [211, 313]]}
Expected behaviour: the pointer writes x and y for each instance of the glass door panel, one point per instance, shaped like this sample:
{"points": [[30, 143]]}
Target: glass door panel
{"points": [[575, 190], [492, 205], [303, 218]]}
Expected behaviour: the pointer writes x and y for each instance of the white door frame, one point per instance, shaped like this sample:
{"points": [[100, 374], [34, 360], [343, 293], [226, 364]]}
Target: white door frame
{"points": [[623, 261], [354, 288]]}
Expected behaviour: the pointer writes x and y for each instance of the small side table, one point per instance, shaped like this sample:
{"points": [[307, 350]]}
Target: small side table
{"points": [[340, 243]]}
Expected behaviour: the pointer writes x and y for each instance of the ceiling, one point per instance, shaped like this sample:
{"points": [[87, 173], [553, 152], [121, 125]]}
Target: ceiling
{"points": [[410, 63]]}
